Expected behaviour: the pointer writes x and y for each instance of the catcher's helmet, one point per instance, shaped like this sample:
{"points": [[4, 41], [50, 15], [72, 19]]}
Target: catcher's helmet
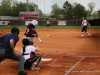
{"points": [[14, 30], [25, 42], [35, 22]]}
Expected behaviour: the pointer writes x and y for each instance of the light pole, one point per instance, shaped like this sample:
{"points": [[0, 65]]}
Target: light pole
{"points": [[44, 9], [27, 5], [48, 13]]}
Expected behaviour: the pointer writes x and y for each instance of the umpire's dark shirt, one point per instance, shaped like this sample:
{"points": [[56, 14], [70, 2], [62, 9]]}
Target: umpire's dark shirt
{"points": [[5, 40]]}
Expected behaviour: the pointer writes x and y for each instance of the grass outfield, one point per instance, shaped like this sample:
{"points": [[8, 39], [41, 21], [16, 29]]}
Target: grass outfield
{"points": [[52, 27]]}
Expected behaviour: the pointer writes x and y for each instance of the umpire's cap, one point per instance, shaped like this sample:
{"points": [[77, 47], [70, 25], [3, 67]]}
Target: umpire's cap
{"points": [[25, 42], [14, 30]]}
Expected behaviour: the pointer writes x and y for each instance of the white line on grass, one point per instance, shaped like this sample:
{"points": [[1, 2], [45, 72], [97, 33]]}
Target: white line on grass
{"points": [[74, 66]]}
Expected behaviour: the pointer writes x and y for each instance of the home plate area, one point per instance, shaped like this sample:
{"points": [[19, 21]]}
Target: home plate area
{"points": [[69, 65], [63, 64]]}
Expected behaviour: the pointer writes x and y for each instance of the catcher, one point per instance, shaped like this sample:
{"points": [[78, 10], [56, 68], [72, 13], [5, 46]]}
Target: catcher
{"points": [[28, 52]]}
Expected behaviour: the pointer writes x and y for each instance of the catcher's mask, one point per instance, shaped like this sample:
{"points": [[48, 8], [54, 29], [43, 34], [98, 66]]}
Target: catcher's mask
{"points": [[25, 42]]}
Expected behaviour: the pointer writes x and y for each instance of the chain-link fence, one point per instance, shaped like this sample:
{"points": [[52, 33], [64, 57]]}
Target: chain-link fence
{"points": [[15, 21], [41, 22]]}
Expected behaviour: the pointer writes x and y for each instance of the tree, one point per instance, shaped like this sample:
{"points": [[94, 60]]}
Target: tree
{"points": [[67, 10], [14, 3], [91, 7], [36, 8], [95, 14], [56, 10], [6, 7], [88, 13], [12, 7], [0, 11], [40, 12], [20, 7], [98, 13], [79, 11], [23, 7]]}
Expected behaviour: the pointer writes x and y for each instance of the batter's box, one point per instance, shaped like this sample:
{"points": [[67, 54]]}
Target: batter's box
{"points": [[67, 61]]}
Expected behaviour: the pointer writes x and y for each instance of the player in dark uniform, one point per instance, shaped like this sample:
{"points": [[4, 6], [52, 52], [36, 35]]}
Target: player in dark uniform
{"points": [[30, 31], [48, 24], [7, 50]]}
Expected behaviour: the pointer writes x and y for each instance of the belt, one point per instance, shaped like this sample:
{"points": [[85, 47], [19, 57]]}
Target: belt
{"points": [[25, 54], [4, 47]]}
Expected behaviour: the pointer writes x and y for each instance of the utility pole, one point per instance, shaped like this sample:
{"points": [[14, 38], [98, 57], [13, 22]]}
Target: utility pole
{"points": [[44, 9], [27, 5]]}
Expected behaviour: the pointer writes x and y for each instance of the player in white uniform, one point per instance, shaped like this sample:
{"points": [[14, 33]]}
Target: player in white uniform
{"points": [[48, 24], [84, 25], [28, 52]]}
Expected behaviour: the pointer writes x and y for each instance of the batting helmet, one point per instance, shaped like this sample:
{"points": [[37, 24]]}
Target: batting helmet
{"points": [[31, 26], [35, 22], [25, 42], [14, 30]]}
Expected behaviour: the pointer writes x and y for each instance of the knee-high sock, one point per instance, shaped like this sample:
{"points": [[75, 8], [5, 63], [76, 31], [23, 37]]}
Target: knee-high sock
{"points": [[82, 34], [88, 33]]}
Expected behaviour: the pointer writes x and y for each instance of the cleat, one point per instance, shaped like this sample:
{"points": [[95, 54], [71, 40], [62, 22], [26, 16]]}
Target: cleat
{"points": [[35, 68], [22, 73], [90, 36], [82, 36]]}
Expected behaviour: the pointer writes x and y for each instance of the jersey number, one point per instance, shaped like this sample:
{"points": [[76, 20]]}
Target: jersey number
{"points": [[27, 30]]}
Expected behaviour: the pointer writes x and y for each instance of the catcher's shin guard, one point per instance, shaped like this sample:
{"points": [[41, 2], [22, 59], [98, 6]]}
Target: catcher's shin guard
{"points": [[38, 60]]}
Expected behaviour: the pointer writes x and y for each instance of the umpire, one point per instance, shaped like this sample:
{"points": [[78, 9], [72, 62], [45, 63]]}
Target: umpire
{"points": [[7, 45]]}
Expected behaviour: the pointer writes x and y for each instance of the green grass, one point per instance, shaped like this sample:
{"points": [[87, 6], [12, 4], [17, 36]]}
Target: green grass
{"points": [[52, 27]]}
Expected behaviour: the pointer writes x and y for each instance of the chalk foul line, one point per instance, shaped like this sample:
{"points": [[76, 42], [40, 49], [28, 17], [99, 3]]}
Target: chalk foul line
{"points": [[74, 66]]}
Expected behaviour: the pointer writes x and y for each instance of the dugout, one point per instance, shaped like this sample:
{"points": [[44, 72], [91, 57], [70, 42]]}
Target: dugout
{"points": [[94, 22]]}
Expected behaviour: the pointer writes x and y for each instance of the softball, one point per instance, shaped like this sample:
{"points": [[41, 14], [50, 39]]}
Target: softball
{"points": [[47, 35]]}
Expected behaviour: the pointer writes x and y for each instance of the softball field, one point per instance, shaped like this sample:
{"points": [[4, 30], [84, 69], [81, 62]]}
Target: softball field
{"points": [[70, 53]]}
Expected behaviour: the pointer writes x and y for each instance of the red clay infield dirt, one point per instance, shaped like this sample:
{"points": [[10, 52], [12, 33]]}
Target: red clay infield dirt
{"points": [[70, 53]]}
